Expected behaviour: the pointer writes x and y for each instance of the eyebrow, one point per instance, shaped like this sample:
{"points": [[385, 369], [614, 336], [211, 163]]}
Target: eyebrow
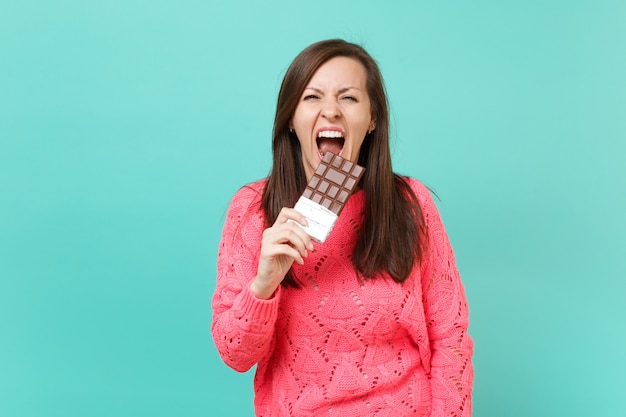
{"points": [[341, 91]]}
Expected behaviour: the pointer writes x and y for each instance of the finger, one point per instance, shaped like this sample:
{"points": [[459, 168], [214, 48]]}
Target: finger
{"points": [[287, 214], [295, 238], [291, 233], [287, 233], [296, 235], [278, 250], [303, 236]]}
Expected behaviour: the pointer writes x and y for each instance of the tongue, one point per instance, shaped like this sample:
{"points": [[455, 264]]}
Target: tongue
{"points": [[329, 145]]}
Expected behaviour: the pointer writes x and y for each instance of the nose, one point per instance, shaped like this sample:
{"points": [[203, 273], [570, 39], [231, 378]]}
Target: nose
{"points": [[330, 110]]}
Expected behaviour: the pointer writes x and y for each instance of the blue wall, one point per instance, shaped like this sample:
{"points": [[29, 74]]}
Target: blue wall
{"points": [[126, 126]]}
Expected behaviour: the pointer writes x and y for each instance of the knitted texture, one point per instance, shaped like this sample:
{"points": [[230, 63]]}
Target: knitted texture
{"points": [[340, 345]]}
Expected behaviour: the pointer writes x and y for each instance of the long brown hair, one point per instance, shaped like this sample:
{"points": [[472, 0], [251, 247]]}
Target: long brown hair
{"points": [[392, 236]]}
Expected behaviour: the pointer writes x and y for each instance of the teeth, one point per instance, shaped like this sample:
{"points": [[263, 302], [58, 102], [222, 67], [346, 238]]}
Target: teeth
{"points": [[330, 134]]}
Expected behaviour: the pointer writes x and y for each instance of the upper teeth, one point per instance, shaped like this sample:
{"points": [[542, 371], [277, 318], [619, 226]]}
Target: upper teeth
{"points": [[329, 134]]}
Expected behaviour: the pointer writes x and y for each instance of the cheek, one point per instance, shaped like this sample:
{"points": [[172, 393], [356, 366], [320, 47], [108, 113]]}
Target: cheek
{"points": [[363, 125], [301, 123]]}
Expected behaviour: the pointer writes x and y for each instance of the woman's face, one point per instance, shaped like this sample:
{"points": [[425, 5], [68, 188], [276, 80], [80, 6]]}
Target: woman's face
{"points": [[334, 113]]}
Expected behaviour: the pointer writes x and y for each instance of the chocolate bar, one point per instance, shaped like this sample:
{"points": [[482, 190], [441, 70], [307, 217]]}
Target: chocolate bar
{"points": [[326, 194]]}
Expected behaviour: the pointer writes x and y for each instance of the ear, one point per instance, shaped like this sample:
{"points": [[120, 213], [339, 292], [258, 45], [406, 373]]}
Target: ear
{"points": [[372, 126]]}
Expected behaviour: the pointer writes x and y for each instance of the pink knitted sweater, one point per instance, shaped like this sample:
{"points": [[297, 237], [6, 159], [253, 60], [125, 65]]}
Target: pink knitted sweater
{"points": [[340, 346]]}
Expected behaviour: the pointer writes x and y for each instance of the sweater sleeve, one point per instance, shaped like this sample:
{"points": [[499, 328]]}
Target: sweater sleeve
{"points": [[243, 325], [446, 311]]}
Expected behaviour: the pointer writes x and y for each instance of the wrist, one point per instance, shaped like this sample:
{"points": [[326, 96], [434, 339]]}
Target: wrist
{"points": [[261, 291]]}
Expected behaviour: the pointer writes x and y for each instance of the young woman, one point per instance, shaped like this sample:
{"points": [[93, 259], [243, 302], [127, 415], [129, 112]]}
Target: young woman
{"points": [[374, 320]]}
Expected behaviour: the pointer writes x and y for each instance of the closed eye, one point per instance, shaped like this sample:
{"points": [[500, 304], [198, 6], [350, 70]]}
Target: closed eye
{"points": [[349, 98], [310, 97]]}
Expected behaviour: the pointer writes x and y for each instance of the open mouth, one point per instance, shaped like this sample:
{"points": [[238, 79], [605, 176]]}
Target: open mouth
{"points": [[330, 141]]}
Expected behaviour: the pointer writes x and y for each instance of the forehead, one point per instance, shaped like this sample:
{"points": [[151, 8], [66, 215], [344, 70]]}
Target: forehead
{"points": [[339, 72]]}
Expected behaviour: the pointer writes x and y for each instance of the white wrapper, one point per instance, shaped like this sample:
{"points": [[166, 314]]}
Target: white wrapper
{"points": [[321, 220]]}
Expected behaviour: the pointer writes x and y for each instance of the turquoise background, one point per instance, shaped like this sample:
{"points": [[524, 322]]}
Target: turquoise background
{"points": [[126, 126]]}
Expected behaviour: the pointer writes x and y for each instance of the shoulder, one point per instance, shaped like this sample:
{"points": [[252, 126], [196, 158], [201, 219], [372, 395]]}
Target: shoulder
{"points": [[250, 193], [245, 214], [428, 207], [421, 191], [251, 190], [247, 200]]}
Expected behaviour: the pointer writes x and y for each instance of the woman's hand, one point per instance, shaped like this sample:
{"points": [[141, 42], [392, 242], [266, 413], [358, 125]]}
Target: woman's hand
{"points": [[282, 244]]}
